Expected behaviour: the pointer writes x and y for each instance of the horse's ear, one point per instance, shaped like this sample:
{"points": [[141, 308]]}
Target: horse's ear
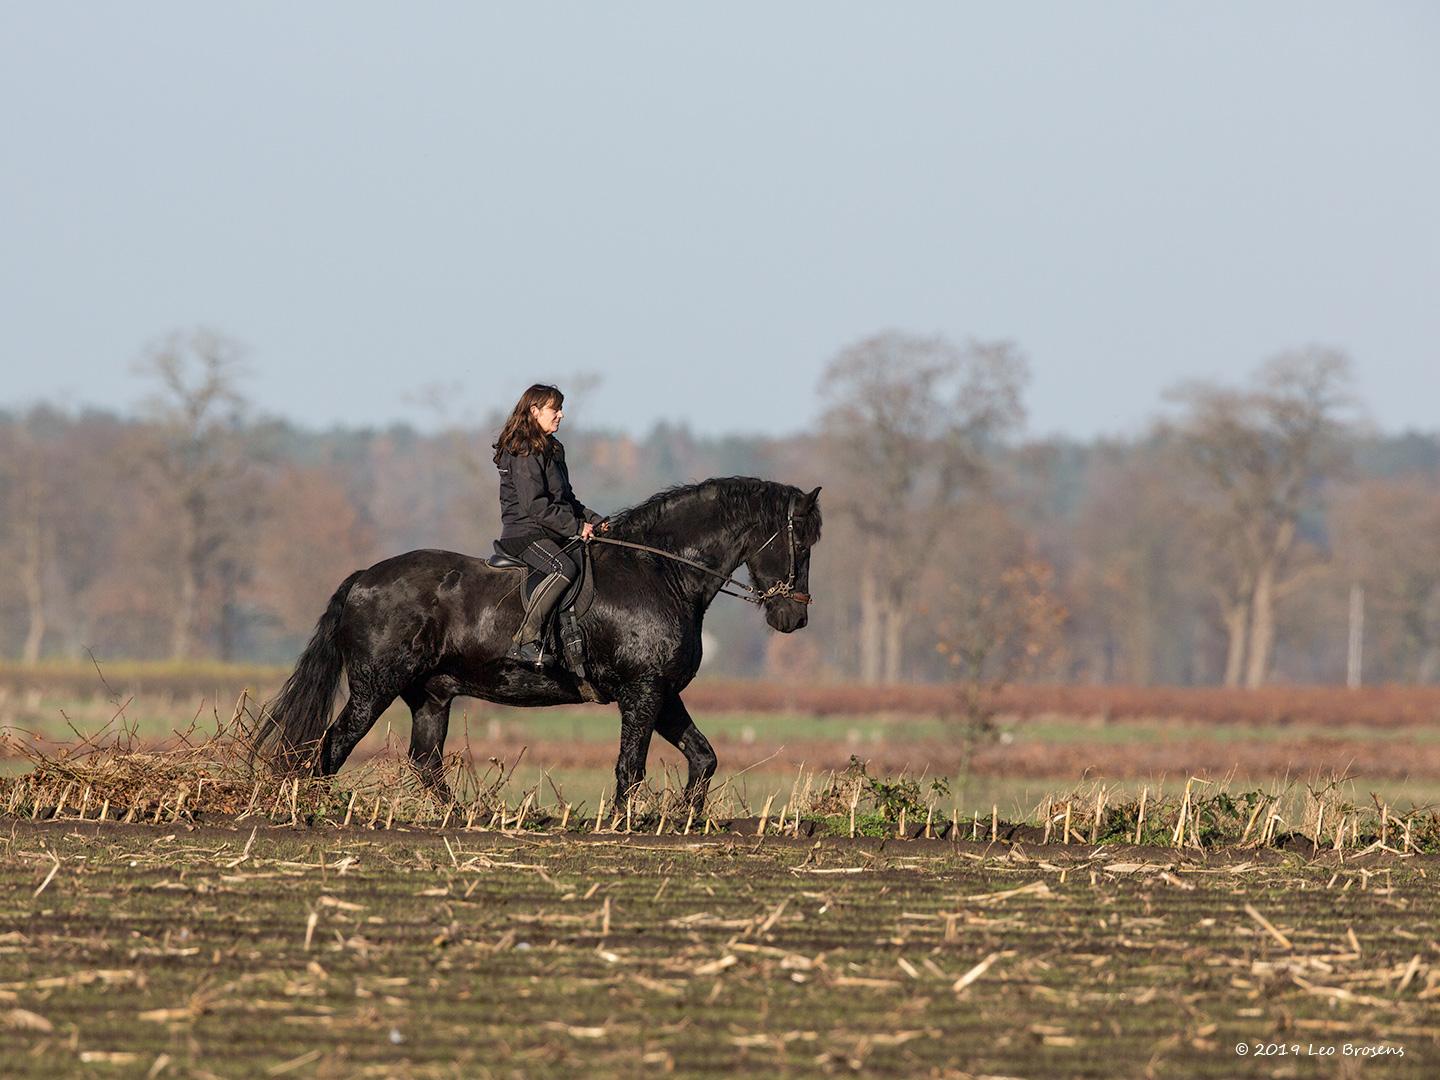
{"points": [[809, 502]]}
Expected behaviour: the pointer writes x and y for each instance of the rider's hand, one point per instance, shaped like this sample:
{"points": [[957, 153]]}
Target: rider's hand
{"points": [[586, 531], [604, 526]]}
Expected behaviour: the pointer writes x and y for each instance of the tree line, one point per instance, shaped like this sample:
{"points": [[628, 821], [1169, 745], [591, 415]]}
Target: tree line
{"points": [[1234, 542]]}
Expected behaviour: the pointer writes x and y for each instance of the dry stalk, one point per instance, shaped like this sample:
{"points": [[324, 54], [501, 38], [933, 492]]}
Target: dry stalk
{"points": [[1270, 824], [59, 806], [519, 821], [1254, 814], [250, 806], [1178, 837], [1099, 813], [1268, 926]]}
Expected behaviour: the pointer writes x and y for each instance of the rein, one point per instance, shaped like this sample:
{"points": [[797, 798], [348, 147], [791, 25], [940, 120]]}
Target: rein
{"points": [[785, 589]]}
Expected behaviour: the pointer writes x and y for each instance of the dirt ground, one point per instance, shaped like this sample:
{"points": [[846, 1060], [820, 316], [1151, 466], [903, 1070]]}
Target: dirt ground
{"points": [[132, 951]]}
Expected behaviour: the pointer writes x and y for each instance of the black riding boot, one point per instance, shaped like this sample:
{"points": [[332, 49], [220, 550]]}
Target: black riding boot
{"points": [[526, 645]]}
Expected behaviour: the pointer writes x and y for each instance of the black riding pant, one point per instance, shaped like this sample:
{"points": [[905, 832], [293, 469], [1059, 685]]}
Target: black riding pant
{"points": [[543, 554]]}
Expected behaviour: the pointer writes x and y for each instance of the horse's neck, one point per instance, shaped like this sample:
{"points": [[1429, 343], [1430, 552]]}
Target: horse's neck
{"points": [[723, 550], [720, 547]]}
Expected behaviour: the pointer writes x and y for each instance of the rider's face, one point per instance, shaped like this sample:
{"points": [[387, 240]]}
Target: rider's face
{"points": [[548, 416]]}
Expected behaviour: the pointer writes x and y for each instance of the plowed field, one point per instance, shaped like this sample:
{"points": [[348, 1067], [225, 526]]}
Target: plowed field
{"points": [[196, 951]]}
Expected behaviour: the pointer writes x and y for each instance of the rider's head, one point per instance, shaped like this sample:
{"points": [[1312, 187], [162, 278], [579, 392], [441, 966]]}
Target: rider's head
{"points": [[535, 417]]}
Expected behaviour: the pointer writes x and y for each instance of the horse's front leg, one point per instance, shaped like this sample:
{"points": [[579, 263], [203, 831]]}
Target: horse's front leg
{"points": [[640, 708], [676, 727]]}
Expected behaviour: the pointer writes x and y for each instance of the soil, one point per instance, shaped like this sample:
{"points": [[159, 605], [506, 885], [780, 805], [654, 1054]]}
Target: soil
{"points": [[228, 950]]}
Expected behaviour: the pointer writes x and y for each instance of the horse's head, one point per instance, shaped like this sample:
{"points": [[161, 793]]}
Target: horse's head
{"points": [[780, 568]]}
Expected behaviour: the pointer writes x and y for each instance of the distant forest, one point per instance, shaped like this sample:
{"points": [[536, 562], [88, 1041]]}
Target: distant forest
{"points": [[1259, 534]]}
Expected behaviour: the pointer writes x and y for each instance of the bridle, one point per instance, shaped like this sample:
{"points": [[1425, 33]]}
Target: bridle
{"points": [[783, 589], [786, 588]]}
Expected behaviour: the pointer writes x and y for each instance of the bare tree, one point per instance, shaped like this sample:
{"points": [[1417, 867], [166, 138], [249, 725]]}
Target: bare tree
{"points": [[29, 533], [908, 427], [1132, 578], [314, 536], [1388, 541], [999, 616], [1263, 454], [197, 460]]}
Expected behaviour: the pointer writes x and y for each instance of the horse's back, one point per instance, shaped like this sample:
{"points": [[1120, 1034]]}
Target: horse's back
{"points": [[432, 589], [426, 565]]}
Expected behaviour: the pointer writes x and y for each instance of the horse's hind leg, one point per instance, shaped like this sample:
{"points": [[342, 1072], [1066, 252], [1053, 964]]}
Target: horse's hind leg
{"points": [[675, 726], [430, 712], [367, 702]]}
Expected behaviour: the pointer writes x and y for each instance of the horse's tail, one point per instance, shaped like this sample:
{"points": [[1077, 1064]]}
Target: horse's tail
{"points": [[293, 724]]}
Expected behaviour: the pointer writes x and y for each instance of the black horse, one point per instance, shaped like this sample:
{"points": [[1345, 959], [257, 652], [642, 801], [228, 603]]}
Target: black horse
{"points": [[428, 626]]}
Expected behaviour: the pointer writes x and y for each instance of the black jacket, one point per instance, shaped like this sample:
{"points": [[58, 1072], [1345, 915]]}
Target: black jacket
{"points": [[535, 496]]}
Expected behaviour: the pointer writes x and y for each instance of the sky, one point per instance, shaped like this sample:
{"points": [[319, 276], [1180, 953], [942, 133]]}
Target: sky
{"points": [[412, 211]]}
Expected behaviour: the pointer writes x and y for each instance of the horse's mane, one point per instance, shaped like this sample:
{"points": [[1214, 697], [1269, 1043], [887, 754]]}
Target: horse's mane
{"points": [[726, 498]]}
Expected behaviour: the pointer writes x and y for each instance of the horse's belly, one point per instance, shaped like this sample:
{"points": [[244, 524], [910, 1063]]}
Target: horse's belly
{"points": [[514, 685]]}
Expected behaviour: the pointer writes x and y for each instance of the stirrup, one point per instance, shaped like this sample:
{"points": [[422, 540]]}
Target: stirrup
{"points": [[532, 653]]}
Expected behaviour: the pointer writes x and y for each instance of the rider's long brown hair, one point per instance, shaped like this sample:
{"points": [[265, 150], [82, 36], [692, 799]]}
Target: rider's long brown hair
{"points": [[521, 435]]}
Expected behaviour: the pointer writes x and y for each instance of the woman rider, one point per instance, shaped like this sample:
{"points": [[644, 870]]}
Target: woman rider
{"points": [[538, 510]]}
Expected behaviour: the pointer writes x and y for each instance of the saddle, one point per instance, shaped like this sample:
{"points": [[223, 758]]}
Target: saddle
{"points": [[562, 626]]}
